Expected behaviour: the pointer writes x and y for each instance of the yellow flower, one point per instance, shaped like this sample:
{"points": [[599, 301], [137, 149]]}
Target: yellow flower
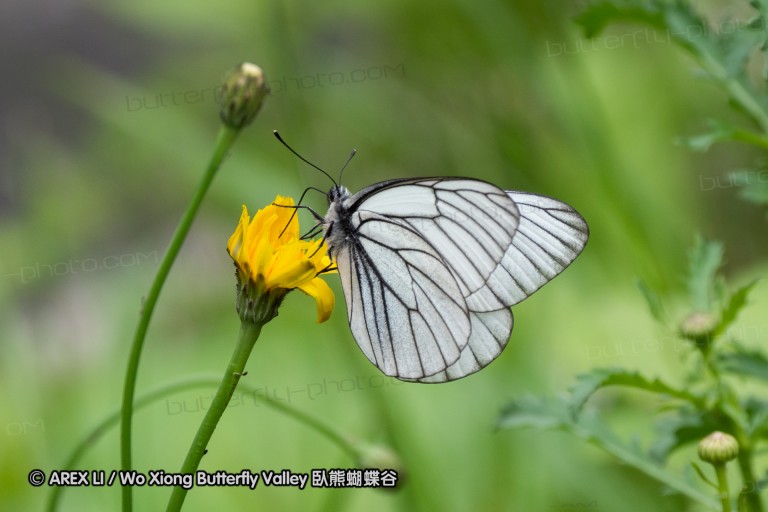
{"points": [[272, 259]]}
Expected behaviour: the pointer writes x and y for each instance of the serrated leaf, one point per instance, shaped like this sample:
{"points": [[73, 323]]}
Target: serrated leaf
{"points": [[535, 412], [703, 476], [653, 301], [738, 46], [719, 131], [685, 426], [597, 15], [757, 417], [687, 28], [752, 183], [588, 383], [731, 310], [597, 433], [703, 141], [704, 259], [723, 56], [755, 193], [763, 482], [743, 362]]}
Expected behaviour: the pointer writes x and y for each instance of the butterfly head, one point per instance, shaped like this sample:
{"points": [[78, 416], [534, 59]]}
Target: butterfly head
{"points": [[337, 194]]}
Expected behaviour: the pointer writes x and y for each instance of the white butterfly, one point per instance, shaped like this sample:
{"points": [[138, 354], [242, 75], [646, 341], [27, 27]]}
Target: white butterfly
{"points": [[431, 266]]}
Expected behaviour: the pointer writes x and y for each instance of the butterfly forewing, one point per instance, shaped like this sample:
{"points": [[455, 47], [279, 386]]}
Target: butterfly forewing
{"points": [[469, 223], [549, 237]]}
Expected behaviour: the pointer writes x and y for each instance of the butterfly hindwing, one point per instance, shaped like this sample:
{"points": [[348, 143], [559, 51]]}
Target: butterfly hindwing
{"points": [[405, 308], [490, 334]]}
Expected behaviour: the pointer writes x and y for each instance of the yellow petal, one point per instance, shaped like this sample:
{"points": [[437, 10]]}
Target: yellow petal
{"points": [[284, 231], [261, 258], [320, 257], [323, 295], [268, 249], [289, 271], [235, 243]]}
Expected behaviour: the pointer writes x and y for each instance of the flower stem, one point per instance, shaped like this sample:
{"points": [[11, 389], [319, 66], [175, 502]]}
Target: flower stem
{"points": [[750, 493], [249, 333], [224, 140], [343, 441], [722, 486]]}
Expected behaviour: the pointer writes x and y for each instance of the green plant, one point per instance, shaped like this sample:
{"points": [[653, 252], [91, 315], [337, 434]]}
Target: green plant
{"points": [[708, 399], [727, 55], [718, 391]]}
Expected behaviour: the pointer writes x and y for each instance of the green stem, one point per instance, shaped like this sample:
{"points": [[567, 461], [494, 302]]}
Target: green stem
{"points": [[345, 443], [737, 91], [224, 140], [165, 390], [750, 138], [750, 492], [722, 487], [110, 421], [249, 333]]}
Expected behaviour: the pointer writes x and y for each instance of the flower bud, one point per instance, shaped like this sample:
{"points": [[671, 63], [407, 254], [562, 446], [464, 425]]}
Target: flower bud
{"points": [[698, 327], [718, 448], [380, 457], [376, 456], [242, 95]]}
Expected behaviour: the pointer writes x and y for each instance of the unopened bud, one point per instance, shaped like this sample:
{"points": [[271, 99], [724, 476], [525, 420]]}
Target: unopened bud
{"points": [[698, 327], [718, 448], [384, 459], [380, 457], [243, 94]]}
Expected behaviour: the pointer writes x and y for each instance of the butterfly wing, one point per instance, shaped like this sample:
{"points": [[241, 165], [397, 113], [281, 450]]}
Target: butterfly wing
{"points": [[469, 223], [499, 246], [405, 308], [549, 236], [490, 334]]}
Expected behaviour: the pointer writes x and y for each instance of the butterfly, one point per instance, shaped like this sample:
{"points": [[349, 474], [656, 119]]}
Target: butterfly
{"points": [[431, 266]]}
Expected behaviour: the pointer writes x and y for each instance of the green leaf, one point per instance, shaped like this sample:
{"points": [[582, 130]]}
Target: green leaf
{"points": [[675, 18], [752, 183], [599, 14], [744, 362], [587, 384], [704, 259], [534, 412], [757, 417], [596, 432], [548, 413], [703, 476], [723, 55], [653, 300], [738, 45], [720, 132], [730, 311], [703, 141], [755, 193], [686, 425]]}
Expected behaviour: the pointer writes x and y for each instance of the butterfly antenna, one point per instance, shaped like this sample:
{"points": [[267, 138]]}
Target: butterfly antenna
{"points": [[297, 206], [301, 157], [347, 163]]}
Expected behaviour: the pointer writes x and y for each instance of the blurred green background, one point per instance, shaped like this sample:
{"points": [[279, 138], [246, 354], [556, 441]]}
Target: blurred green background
{"points": [[108, 119]]}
